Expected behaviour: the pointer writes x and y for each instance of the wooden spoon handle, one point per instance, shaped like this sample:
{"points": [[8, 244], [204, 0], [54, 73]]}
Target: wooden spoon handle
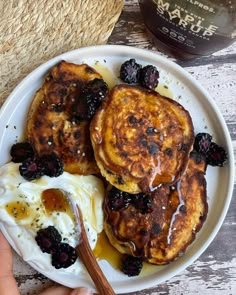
{"points": [[86, 255]]}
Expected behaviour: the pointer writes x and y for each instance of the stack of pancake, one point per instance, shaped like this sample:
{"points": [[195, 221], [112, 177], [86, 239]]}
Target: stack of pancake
{"points": [[140, 142]]}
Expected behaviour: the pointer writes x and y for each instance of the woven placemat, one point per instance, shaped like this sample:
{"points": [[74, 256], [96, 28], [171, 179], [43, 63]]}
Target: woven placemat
{"points": [[32, 32]]}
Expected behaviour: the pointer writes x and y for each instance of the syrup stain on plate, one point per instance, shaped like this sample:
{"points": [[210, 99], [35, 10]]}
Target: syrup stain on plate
{"points": [[164, 90], [105, 251], [108, 76]]}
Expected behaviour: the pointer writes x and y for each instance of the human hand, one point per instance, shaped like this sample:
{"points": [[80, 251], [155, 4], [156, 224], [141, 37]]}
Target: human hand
{"points": [[8, 282]]}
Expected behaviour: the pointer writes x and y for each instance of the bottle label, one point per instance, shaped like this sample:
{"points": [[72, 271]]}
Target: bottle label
{"points": [[195, 27], [185, 22]]}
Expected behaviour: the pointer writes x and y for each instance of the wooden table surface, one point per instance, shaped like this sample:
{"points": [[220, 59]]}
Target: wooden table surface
{"points": [[214, 273]]}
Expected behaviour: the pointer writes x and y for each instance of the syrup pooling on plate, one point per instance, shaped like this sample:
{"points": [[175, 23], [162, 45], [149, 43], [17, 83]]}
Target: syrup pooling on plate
{"points": [[104, 250], [108, 76], [164, 90]]}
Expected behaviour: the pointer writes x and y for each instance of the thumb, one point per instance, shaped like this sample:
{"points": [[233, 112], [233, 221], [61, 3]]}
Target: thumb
{"points": [[81, 291]]}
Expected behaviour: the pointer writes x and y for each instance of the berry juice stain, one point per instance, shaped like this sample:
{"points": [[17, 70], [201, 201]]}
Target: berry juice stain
{"points": [[18, 210], [54, 200]]}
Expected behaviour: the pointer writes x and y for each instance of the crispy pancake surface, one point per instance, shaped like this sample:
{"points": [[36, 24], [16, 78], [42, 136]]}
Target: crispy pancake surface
{"points": [[50, 124], [178, 213], [141, 139]]}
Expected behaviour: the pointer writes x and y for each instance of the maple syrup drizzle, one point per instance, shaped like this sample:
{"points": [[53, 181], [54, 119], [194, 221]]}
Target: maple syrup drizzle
{"points": [[55, 199], [180, 202], [158, 177], [18, 210]]}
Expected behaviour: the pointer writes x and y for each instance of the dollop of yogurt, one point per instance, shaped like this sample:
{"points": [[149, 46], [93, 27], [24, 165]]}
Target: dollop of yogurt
{"points": [[23, 212]]}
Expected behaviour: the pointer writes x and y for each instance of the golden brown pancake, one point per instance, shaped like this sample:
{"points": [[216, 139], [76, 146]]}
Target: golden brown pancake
{"points": [[178, 213], [129, 230], [141, 139], [51, 126]]}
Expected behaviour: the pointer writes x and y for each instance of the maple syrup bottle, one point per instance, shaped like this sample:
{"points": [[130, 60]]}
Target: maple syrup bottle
{"points": [[190, 28]]}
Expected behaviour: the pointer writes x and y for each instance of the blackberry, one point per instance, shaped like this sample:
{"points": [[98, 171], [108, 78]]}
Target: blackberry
{"points": [[131, 265], [90, 99], [96, 89], [48, 239], [130, 71], [52, 165], [64, 256], [142, 202], [216, 155], [149, 76], [118, 200], [21, 151], [31, 169], [202, 142], [198, 157]]}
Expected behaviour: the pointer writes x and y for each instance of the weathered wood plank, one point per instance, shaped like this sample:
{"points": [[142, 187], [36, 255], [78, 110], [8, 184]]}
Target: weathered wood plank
{"points": [[219, 81]]}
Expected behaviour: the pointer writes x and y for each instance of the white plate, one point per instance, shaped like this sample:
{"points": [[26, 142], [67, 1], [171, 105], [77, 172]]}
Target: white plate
{"points": [[206, 117]]}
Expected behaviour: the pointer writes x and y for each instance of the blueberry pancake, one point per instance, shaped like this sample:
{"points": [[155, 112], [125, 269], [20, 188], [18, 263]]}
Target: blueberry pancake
{"points": [[141, 139], [52, 124], [162, 231]]}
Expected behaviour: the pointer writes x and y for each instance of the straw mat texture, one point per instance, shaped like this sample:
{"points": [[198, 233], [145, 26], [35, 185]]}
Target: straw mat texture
{"points": [[32, 32]]}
